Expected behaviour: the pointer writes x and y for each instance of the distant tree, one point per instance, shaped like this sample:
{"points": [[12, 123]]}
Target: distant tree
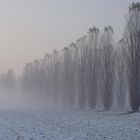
{"points": [[81, 70], [55, 75], [10, 80], [66, 69]]}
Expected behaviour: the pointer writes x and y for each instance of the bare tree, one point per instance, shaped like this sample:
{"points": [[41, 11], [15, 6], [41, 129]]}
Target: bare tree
{"points": [[92, 65], [81, 71], [121, 72], [107, 66], [132, 38]]}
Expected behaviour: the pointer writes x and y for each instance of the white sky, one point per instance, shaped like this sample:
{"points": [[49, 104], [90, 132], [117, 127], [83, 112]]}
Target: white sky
{"points": [[30, 28]]}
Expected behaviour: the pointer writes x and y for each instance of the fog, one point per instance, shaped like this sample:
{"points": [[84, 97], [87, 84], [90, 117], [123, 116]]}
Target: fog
{"points": [[88, 74], [95, 72]]}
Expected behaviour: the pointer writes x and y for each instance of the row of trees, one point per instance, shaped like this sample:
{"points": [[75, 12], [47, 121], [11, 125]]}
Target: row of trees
{"points": [[94, 70]]}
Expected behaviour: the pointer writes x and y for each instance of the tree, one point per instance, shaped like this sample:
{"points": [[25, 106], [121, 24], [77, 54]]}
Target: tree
{"points": [[66, 68], [132, 38], [121, 72], [81, 70], [92, 65], [55, 75], [107, 66]]}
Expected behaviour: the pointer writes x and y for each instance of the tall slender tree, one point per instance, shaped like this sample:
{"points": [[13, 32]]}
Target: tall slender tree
{"points": [[132, 38], [108, 66]]}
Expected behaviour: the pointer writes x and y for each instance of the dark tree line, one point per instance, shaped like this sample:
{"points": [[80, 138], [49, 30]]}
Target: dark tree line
{"points": [[132, 39], [93, 69]]}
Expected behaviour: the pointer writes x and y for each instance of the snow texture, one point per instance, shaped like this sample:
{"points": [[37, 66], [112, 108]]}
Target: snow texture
{"points": [[72, 125]]}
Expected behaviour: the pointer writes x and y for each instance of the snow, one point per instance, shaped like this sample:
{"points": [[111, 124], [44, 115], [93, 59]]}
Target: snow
{"points": [[72, 125]]}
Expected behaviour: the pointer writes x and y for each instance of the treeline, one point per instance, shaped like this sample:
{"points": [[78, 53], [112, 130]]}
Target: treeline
{"points": [[93, 71]]}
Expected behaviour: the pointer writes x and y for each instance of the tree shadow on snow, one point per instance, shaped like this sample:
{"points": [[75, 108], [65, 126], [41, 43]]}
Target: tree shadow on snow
{"points": [[105, 112], [121, 113]]}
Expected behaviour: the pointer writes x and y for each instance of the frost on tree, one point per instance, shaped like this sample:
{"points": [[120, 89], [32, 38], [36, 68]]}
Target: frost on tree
{"points": [[92, 71], [132, 38], [107, 66]]}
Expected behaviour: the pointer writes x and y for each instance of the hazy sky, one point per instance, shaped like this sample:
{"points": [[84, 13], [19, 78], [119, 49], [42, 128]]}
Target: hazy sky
{"points": [[30, 28]]}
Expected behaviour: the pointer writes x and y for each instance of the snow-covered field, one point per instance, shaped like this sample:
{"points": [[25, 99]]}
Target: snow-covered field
{"points": [[72, 125]]}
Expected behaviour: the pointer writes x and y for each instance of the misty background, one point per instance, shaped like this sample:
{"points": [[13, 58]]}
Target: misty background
{"points": [[49, 60], [30, 28], [69, 69]]}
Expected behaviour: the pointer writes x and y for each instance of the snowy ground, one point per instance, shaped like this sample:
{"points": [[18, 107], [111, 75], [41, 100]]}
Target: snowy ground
{"points": [[72, 125]]}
